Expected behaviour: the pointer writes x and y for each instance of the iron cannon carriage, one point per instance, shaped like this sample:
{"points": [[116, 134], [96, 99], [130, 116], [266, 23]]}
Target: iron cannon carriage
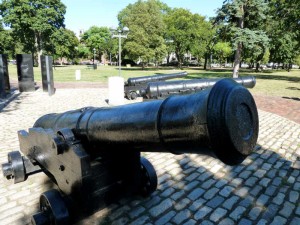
{"points": [[92, 153]]}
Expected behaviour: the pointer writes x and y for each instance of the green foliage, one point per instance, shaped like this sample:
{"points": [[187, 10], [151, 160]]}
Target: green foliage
{"points": [[188, 31], [222, 50], [63, 43], [284, 30], [97, 38], [145, 22], [33, 21], [245, 22]]}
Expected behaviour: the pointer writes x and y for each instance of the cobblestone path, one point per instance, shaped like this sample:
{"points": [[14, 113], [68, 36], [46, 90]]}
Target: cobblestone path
{"points": [[192, 189]]}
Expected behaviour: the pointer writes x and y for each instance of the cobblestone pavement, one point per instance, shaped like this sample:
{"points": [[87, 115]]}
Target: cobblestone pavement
{"points": [[192, 189]]}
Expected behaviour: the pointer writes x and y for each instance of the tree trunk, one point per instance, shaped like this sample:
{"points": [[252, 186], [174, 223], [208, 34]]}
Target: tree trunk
{"points": [[237, 60], [38, 48], [238, 52], [205, 61]]}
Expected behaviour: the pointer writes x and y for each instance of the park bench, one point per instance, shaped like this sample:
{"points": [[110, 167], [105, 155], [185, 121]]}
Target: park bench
{"points": [[90, 67]]}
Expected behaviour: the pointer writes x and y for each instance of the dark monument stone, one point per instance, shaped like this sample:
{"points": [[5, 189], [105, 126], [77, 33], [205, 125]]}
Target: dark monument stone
{"points": [[25, 72], [47, 74], [4, 77]]}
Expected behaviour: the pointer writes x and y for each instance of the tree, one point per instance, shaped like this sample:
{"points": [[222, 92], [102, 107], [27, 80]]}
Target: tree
{"points": [[284, 31], [97, 38], [189, 32], [222, 50], [145, 22], [33, 21], [244, 18], [63, 44]]}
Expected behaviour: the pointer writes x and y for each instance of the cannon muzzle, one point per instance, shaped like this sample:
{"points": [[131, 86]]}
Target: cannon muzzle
{"points": [[155, 90], [221, 121]]}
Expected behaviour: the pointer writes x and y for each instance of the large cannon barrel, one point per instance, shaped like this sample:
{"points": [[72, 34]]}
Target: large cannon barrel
{"points": [[163, 89], [159, 77], [221, 121]]}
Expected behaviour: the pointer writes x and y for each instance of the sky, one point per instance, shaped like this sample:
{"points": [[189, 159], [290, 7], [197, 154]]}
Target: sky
{"points": [[82, 14]]}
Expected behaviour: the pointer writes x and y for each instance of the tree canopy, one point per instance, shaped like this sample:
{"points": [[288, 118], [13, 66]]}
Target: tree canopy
{"points": [[244, 18], [145, 22], [189, 32], [33, 21], [97, 38]]}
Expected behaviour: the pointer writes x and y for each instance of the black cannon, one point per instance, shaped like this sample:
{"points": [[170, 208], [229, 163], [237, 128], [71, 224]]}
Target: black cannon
{"points": [[156, 90], [133, 85], [93, 153]]}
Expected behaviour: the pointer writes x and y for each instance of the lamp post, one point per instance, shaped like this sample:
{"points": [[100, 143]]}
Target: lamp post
{"points": [[94, 51], [120, 33]]}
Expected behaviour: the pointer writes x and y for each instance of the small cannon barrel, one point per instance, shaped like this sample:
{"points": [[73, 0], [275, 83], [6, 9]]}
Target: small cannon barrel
{"points": [[159, 77], [221, 122], [162, 89]]}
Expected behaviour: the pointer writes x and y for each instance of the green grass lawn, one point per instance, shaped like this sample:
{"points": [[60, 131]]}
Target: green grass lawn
{"points": [[275, 83]]}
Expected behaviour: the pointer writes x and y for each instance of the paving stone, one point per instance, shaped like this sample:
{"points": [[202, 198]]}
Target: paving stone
{"points": [[295, 221], [166, 218], [264, 182], [270, 212], [140, 221], [178, 195], [270, 191], [202, 212], [190, 222], [298, 210], [254, 213], [136, 212], [279, 198], [167, 192], [221, 183], [160, 208], [206, 222], [278, 220], [242, 192], [123, 220], [191, 185], [182, 204], [294, 196], [245, 174], [227, 221], [153, 201], [207, 184], [215, 202], [262, 222], [248, 201], [196, 193], [226, 191], [181, 216], [245, 222], [218, 214], [228, 204], [211, 193], [197, 204], [287, 209], [237, 213], [262, 200]]}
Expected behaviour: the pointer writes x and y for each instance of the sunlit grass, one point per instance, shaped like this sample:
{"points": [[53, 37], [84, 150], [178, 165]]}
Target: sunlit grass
{"points": [[275, 83]]}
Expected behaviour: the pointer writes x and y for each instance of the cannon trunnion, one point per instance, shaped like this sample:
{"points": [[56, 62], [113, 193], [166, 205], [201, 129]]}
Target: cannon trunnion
{"points": [[94, 153]]}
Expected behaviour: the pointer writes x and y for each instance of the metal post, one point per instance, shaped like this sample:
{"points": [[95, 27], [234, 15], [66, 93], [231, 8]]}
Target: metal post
{"points": [[120, 33], [120, 52]]}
